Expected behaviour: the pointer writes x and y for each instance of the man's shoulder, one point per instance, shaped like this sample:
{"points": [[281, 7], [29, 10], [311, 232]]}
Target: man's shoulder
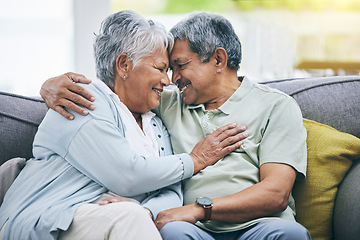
{"points": [[271, 93], [170, 97], [170, 93], [269, 90]]}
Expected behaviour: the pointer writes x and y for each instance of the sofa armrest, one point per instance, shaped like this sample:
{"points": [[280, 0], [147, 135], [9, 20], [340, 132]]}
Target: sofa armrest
{"points": [[347, 207]]}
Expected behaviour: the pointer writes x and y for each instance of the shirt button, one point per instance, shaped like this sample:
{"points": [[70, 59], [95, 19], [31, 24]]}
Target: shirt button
{"points": [[159, 136], [162, 148], [204, 125]]}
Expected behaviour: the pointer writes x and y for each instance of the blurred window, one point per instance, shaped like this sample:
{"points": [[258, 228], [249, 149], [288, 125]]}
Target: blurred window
{"points": [[36, 43]]}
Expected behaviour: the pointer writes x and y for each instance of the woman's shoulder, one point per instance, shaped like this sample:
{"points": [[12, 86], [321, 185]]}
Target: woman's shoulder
{"points": [[97, 90], [105, 105]]}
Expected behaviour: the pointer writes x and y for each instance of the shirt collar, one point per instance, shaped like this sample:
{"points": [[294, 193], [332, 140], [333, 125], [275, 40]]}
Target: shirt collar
{"points": [[237, 96], [228, 106]]}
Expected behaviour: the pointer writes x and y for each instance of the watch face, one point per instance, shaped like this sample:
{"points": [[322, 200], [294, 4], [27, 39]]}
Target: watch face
{"points": [[204, 201]]}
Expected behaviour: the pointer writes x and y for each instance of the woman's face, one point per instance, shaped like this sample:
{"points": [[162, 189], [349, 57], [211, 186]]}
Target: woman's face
{"points": [[143, 86]]}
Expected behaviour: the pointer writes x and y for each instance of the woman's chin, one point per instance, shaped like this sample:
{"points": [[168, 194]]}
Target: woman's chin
{"points": [[155, 105]]}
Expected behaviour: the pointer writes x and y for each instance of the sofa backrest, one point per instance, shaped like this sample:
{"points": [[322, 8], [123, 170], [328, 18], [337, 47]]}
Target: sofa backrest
{"points": [[334, 101], [19, 119]]}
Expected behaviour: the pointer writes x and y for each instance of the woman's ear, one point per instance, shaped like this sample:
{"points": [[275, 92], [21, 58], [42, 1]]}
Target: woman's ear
{"points": [[122, 65], [220, 59]]}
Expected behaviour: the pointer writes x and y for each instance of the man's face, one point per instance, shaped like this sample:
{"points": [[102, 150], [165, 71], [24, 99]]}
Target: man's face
{"points": [[193, 78]]}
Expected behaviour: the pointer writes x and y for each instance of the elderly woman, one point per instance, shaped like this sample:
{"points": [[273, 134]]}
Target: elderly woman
{"points": [[119, 148]]}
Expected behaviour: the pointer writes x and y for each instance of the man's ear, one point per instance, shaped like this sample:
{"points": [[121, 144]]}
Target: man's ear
{"points": [[122, 65], [220, 59]]}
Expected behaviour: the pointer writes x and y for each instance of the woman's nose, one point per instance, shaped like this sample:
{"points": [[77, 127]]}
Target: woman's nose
{"points": [[165, 80]]}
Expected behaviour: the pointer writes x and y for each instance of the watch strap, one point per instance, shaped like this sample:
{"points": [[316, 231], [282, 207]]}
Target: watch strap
{"points": [[207, 204], [207, 217]]}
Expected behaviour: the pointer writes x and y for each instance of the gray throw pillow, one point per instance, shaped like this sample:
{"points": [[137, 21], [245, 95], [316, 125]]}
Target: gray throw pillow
{"points": [[8, 172]]}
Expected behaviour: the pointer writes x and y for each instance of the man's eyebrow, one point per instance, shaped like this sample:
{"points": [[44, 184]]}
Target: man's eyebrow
{"points": [[181, 60]]}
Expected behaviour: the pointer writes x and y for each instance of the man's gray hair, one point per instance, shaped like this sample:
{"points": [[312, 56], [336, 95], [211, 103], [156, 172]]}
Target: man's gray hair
{"points": [[206, 32], [127, 32]]}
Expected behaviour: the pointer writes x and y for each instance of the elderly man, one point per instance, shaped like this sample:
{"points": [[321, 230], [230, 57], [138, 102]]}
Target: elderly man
{"points": [[246, 195]]}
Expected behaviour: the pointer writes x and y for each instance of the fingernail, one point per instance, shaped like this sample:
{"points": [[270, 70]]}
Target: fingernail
{"points": [[85, 112], [71, 117], [92, 99], [92, 106]]}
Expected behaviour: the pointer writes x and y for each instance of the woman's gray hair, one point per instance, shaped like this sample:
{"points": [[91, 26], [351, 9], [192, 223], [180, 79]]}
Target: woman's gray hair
{"points": [[127, 32], [206, 32]]}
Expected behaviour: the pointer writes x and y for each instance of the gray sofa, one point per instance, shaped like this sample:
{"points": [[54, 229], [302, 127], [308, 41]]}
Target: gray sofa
{"points": [[333, 101]]}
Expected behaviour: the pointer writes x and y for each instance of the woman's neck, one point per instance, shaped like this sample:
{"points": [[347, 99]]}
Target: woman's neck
{"points": [[119, 89], [138, 119]]}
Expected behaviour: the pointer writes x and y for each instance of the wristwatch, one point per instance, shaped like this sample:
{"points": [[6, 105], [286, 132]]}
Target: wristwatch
{"points": [[207, 204]]}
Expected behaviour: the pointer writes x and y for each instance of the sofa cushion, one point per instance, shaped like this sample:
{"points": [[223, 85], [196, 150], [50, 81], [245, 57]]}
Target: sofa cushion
{"points": [[19, 119], [333, 101], [330, 156]]}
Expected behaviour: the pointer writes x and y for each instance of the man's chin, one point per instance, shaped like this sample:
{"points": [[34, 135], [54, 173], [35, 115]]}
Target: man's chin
{"points": [[188, 101]]}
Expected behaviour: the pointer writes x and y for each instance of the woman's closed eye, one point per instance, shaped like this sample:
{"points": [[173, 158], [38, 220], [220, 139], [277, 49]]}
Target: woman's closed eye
{"points": [[163, 69]]}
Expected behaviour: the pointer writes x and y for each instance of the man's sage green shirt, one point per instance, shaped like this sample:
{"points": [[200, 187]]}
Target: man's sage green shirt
{"points": [[276, 135]]}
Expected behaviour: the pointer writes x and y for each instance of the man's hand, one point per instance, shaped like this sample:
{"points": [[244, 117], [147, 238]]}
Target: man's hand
{"points": [[62, 91], [217, 145], [188, 213]]}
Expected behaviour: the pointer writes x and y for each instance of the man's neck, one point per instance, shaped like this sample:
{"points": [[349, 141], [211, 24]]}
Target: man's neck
{"points": [[226, 87]]}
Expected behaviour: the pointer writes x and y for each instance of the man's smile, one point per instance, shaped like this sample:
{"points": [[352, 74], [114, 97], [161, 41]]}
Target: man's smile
{"points": [[182, 86]]}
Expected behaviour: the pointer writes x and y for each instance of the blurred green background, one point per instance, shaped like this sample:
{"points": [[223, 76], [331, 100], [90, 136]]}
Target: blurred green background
{"points": [[185, 6], [280, 38]]}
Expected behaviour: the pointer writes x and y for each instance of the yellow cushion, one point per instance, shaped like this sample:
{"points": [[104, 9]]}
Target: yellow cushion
{"points": [[330, 155]]}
